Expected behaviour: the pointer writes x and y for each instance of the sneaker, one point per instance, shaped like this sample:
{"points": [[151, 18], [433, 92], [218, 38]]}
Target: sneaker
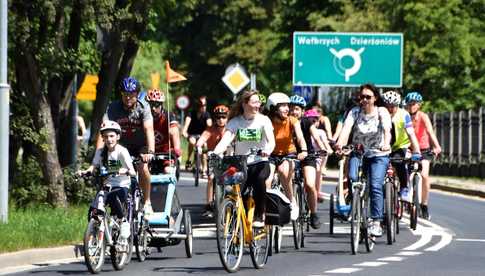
{"points": [[208, 211], [375, 228], [315, 221], [258, 222], [424, 212], [294, 210], [125, 230], [188, 166], [148, 209]]}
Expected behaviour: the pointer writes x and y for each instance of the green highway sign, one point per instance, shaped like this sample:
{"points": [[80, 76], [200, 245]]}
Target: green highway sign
{"points": [[347, 59]]}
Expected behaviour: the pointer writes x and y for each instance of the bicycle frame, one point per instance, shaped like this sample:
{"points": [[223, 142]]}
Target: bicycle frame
{"points": [[243, 217]]}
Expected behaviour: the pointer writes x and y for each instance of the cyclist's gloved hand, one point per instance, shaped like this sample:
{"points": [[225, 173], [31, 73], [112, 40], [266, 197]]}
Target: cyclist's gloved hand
{"points": [[416, 157]]}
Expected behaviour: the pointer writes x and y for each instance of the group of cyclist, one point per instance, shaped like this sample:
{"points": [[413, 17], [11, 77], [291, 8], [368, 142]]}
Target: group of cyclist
{"points": [[284, 130]]}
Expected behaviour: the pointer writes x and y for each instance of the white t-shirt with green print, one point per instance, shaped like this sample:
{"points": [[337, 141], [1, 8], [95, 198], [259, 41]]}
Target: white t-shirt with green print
{"points": [[251, 134], [119, 158]]}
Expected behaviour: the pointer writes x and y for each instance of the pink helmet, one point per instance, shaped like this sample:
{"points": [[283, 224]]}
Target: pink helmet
{"points": [[312, 113]]}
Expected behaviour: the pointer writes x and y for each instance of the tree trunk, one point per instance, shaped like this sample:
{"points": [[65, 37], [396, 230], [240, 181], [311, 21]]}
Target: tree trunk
{"points": [[46, 150], [107, 75]]}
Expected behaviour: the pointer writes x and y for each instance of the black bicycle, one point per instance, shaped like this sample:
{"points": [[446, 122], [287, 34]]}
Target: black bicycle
{"points": [[359, 214], [104, 229]]}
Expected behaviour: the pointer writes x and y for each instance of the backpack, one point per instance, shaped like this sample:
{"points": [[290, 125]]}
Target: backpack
{"points": [[277, 208]]}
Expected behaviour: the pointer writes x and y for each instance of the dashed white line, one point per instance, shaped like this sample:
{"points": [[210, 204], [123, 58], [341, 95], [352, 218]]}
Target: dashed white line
{"points": [[343, 270], [409, 253], [371, 264], [391, 259], [470, 240]]}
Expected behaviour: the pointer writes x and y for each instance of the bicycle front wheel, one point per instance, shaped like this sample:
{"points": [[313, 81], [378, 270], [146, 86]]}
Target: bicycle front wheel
{"points": [[355, 221], [298, 223], [388, 211], [230, 239], [413, 210], [93, 246], [369, 240], [197, 169], [260, 246]]}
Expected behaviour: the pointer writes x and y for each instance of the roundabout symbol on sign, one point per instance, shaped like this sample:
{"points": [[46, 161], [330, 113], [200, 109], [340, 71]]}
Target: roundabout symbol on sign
{"points": [[182, 102], [347, 52]]}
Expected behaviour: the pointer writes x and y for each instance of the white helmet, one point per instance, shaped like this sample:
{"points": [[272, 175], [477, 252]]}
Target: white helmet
{"points": [[391, 98], [110, 125], [277, 98]]}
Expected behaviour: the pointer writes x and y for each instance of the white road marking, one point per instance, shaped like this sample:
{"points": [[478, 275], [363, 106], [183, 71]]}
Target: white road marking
{"points": [[208, 232], [371, 264], [445, 240], [343, 270], [425, 239], [391, 259], [470, 240], [201, 180], [409, 253]]}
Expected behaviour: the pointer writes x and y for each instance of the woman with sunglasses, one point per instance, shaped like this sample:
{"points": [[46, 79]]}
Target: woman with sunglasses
{"points": [[211, 136], [251, 130], [370, 126]]}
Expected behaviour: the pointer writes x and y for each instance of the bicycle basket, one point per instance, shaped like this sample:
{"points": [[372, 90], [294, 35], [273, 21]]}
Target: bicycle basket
{"points": [[237, 161]]}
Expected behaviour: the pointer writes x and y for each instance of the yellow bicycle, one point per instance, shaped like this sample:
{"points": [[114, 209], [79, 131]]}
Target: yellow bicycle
{"points": [[235, 216]]}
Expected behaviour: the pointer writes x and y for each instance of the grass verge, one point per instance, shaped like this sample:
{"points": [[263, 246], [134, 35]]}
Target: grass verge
{"points": [[42, 226]]}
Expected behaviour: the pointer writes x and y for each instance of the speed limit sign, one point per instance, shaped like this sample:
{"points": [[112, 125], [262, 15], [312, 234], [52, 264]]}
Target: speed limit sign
{"points": [[182, 102]]}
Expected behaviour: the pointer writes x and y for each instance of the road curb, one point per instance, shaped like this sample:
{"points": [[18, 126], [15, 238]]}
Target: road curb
{"points": [[447, 187], [38, 256]]}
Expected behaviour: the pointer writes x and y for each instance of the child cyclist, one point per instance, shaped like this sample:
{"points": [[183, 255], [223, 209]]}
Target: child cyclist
{"points": [[212, 135], [115, 159]]}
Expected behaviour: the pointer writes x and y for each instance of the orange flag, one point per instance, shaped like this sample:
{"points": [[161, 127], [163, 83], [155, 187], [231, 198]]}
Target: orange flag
{"points": [[171, 75]]}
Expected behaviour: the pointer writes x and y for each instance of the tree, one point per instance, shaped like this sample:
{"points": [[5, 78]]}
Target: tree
{"points": [[51, 42]]}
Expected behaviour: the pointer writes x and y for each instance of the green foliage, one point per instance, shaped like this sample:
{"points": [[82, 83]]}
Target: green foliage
{"points": [[149, 60], [78, 191], [42, 226], [27, 187], [444, 41]]}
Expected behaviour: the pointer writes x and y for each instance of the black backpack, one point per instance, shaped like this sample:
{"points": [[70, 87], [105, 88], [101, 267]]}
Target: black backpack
{"points": [[277, 208]]}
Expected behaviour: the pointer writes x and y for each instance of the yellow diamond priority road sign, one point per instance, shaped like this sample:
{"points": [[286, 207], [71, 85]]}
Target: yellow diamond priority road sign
{"points": [[235, 78]]}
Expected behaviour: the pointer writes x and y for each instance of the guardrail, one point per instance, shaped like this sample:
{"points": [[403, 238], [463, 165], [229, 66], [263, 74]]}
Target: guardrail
{"points": [[463, 146]]}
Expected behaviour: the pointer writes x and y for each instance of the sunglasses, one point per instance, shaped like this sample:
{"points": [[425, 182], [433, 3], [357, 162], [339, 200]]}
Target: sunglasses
{"points": [[129, 95], [220, 117], [367, 97], [155, 104]]}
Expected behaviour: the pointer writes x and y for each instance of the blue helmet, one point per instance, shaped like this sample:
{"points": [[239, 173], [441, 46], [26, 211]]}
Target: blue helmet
{"points": [[130, 85], [413, 96], [298, 100]]}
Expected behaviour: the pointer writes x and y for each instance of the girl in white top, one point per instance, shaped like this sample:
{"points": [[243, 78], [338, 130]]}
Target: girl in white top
{"points": [[249, 129]]}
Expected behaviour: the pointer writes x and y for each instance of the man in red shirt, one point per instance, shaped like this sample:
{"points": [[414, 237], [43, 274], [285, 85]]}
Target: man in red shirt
{"points": [[165, 125]]}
